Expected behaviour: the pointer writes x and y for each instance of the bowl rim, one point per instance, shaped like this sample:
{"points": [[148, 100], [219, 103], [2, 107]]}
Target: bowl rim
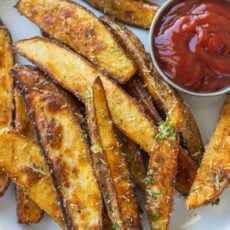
{"points": [[154, 23]]}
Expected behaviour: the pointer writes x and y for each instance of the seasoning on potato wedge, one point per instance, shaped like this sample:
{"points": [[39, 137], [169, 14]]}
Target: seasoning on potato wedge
{"points": [[6, 90], [133, 12], [27, 210], [66, 152], [214, 172], [110, 162], [163, 96], [75, 74], [78, 28], [22, 160]]}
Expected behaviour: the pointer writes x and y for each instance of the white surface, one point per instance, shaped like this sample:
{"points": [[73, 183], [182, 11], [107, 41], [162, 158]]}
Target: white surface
{"points": [[205, 110]]}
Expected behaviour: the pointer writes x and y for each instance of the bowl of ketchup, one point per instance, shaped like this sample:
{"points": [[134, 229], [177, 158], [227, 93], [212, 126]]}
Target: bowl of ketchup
{"points": [[190, 45]]}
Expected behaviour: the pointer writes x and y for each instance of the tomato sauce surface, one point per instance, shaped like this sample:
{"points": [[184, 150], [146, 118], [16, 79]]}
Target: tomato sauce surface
{"points": [[192, 44]]}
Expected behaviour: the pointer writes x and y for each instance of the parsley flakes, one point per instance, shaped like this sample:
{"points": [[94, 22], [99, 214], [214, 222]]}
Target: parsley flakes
{"points": [[166, 130], [96, 148]]}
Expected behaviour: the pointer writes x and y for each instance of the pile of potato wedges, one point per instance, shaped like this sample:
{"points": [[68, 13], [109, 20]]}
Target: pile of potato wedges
{"points": [[92, 122]]}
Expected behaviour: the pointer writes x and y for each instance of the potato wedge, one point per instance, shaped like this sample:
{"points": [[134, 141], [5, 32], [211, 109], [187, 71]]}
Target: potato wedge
{"points": [[110, 162], [186, 172], [161, 175], [6, 90], [23, 162], [186, 168], [138, 91], [27, 211], [134, 160], [133, 12], [67, 153], [82, 31], [214, 172], [76, 75], [163, 96]]}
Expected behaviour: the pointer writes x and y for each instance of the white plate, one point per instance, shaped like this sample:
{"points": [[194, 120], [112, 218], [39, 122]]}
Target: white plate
{"points": [[205, 110]]}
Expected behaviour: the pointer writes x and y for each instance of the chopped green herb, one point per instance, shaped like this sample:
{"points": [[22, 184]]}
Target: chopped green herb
{"points": [[194, 188], [8, 91], [88, 93], [116, 227], [166, 130], [96, 148], [154, 218], [155, 195], [218, 179], [84, 136], [149, 180]]}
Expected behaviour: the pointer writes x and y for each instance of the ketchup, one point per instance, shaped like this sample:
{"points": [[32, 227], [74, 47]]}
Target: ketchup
{"points": [[192, 44]]}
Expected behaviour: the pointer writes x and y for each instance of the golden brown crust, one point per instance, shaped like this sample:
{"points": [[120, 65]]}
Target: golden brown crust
{"points": [[161, 175], [137, 90], [186, 168], [164, 97], [186, 172], [214, 172], [27, 211], [118, 193], [78, 28], [76, 75], [133, 12], [18, 158], [6, 90], [160, 183], [69, 158], [134, 160]]}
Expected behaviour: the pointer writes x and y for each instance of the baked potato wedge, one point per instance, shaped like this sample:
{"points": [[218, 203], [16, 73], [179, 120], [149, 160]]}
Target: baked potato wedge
{"points": [[161, 175], [160, 184], [22, 160], [67, 153], [78, 28], [76, 75], [214, 172], [136, 89], [6, 90], [186, 168], [134, 160], [163, 96], [27, 211], [114, 176], [133, 12]]}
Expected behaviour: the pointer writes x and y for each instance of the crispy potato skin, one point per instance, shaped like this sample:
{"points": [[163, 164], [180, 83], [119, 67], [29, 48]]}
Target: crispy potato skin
{"points": [[27, 211], [78, 28], [23, 162], [138, 91], [66, 151], [77, 75], [214, 172], [6, 90], [125, 213], [134, 160], [160, 183], [163, 96], [186, 172], [133, 12], [161, 176]]}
